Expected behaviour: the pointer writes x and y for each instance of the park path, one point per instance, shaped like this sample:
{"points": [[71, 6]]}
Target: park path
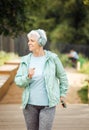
{"points": [[76, 82]]}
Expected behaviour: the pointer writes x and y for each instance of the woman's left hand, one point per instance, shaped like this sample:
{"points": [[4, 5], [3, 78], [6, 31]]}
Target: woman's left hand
{"points": [[63, 102]]}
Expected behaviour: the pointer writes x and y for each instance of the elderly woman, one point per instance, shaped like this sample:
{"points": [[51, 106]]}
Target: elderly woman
{"points": [[44, 80]]}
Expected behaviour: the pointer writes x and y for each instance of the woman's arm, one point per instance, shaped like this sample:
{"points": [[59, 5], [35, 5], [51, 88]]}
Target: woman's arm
{"points": [[21, 78], [62, 76]]}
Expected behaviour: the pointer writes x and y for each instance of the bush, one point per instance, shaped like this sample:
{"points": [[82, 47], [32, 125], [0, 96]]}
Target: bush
{"points": [[85, 68], [83, 93], [6, 56], [84, 64]]}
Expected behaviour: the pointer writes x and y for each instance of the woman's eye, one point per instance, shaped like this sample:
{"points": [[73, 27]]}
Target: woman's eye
{"points": [[32, 40]]}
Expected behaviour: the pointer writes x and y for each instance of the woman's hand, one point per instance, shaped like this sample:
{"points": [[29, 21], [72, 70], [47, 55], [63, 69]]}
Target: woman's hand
{"points": [[63, 102], [31, 72]]}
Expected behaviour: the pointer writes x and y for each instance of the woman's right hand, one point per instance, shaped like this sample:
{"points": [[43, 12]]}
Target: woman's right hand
{"points": [[31, 72]]}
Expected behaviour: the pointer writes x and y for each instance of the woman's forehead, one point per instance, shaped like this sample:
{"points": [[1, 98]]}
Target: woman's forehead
{"points": [[33, 37], [34, 34]]}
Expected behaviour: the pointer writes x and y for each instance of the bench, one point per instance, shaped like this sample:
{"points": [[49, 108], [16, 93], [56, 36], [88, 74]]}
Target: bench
{"points": [[13, 62], [7, 74], [8, 69], [4, 84]]}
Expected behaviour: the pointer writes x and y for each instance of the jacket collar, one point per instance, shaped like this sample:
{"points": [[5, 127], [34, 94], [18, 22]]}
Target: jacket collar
{"points": [[26, 59]]}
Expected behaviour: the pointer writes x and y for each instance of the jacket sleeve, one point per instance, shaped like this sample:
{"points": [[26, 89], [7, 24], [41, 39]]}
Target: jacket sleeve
{"points": [[21, 78], [62, 76]]}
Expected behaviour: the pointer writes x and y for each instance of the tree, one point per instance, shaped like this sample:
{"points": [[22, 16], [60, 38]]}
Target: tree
{"points": [[86, 2], [69, 18], [18, 16]]}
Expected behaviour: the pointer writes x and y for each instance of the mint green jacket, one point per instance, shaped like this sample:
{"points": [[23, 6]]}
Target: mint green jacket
{"points": [[55, 78]]}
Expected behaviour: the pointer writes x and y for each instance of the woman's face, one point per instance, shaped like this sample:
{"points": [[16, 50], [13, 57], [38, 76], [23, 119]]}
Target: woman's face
{"points": [[33, 44]]}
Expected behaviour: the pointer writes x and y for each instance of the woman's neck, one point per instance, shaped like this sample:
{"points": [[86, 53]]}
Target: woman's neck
{"points": [[39, 52]]}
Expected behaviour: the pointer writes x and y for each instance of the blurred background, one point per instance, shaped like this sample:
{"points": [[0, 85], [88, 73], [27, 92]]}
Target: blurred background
{"points": [[66, 23]]}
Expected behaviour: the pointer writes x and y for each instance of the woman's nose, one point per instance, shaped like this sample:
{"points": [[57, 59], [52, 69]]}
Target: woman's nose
{"points": [[29, 42]]}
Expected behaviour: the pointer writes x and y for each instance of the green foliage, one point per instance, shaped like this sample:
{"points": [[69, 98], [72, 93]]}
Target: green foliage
{"points": [[71, 20], [19, 16], [64, 21], [6, 56], [85, 68], [84, 64], [11, 16], [86, 2], [65, 61], [63, 33], [83, 93]]}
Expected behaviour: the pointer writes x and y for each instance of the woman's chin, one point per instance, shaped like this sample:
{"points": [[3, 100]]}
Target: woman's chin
{"points": [[30, 49]]}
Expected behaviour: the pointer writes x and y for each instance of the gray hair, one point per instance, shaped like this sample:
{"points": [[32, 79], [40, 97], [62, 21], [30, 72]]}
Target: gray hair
{"points": [[40, 36]]}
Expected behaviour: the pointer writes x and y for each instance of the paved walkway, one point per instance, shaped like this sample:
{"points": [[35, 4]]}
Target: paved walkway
{"points": [[74, 117]]}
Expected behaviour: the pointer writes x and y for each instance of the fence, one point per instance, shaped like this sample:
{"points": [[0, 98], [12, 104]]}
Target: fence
{"points": [[19, 45]]}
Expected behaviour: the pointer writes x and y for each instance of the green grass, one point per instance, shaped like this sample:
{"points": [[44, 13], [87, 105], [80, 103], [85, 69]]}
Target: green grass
{"points": [[6, 56], [85, 68], [83, 94]]}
